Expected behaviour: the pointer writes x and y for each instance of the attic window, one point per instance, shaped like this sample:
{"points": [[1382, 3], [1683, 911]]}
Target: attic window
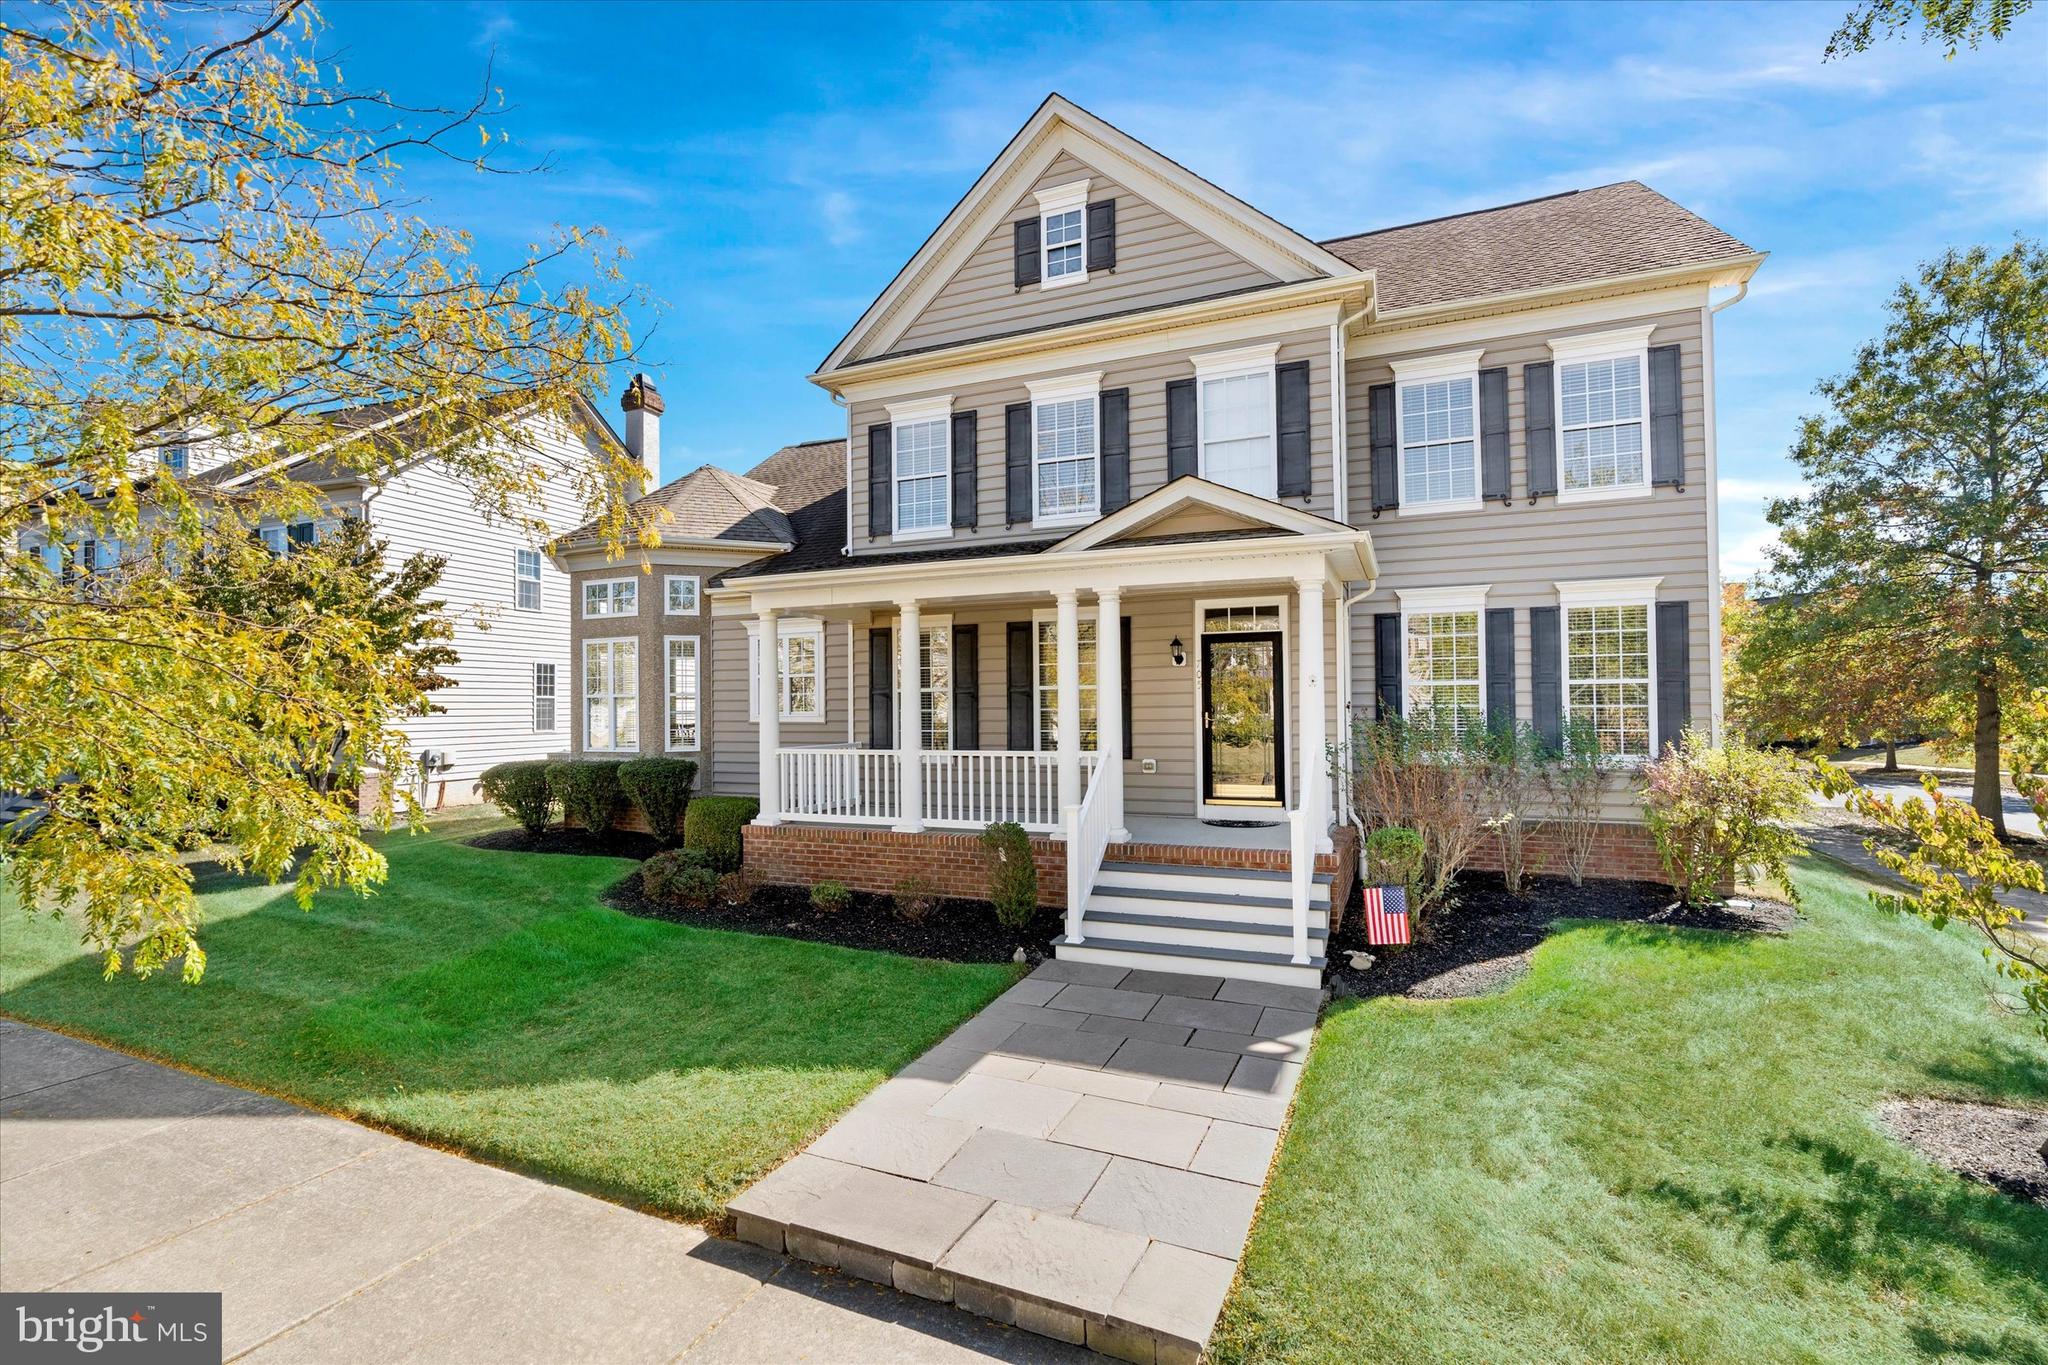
{"points": [[1062, 234]]}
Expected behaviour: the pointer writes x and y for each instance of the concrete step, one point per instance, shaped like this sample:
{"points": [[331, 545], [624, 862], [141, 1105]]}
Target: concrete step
{"points": [[1250, 935], [1279, 968]]}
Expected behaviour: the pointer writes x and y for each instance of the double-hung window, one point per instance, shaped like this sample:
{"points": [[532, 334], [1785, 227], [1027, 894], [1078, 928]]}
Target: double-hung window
{"points": [[1048, 681], [935, 685], [1601, 439], [921, 455], [1441, 645], [1066, 449], [680, 595], [1436, 424], [1234, 418], [611, 695], [1609, 668], [543, 697], [802, 671], [611, 597], [526, 579], [682, 684], [1062, 234]]}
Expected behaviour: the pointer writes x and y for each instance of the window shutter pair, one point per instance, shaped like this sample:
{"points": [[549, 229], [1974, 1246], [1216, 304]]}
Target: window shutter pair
{"points": [[1100, 224], [1674, 671], [1386, 664], [881, 514], [1386, 482], [881, 689], [966, 687], [965, 441]]}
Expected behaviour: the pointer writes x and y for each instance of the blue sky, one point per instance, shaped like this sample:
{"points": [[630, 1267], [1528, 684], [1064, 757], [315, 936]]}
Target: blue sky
{"points": [[771, 167]]}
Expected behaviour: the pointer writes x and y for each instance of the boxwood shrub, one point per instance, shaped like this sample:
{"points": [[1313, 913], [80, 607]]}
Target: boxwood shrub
{"points": [[713, 824], [660, 787], [679, 876], [520, 790], [588, 789]]}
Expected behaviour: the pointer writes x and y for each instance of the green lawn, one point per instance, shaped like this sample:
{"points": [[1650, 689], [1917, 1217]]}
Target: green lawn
{"points": [[1658, 1146], [487, 1002]]}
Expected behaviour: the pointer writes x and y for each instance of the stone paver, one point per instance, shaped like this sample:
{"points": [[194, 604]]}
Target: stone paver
{"points": [[1119, 1127], [329, 1241]]}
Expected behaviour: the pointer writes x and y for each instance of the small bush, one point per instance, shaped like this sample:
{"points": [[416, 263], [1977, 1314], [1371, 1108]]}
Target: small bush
{"points": [[713, 824], [660, 787], [678, 876], [520, 790], [588, 790], [830, 897], [1013, 880], [1719, 812], [737, 886], [1423, 773], [916, 898], [1393, 857], [1573, 783]]}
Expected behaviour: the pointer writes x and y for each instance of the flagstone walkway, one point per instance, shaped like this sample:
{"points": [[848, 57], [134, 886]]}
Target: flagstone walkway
{"points": [[1081, 1159]]}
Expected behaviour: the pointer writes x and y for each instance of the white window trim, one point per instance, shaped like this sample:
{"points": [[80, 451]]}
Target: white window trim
{"points": [[1058, 199], [786, 628], [1441, 602], [583, 598], [1066, 387], [583, 695], [696, 643], [696, 594], [1618, 344], [939, 409], [1243, 360], [554, 697], [1051, 614], [1422, 370], [1609, 592], [1289, 662], [519, 577]]}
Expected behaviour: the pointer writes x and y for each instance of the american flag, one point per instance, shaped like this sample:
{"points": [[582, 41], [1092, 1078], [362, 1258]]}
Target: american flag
{"points": [[1386, 915]]}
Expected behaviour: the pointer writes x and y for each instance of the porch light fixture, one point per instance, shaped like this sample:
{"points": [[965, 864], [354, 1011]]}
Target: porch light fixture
{"points": [[1180, 653]]}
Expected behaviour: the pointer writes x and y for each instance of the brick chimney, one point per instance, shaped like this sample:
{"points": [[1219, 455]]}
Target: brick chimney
{"points": [[643, 407]]}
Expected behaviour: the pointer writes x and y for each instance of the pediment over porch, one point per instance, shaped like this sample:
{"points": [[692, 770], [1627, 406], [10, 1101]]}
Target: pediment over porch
{"points": [[1192, 509]]}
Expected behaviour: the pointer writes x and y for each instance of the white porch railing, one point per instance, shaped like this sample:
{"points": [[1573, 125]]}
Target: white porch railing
{"points": [[961, 788], [1301, 867], [1088, 826], [850, 786]]}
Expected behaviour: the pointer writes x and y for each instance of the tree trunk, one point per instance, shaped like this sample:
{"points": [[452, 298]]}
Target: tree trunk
{"points": [[1986, 794], [1891, 755]]}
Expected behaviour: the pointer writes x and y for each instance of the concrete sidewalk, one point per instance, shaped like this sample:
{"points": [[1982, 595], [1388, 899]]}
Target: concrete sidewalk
{"points": [[330, 1241]]}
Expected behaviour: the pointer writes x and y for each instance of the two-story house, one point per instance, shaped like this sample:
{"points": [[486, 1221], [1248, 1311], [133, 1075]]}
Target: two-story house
{"points": [[1146, 494]]}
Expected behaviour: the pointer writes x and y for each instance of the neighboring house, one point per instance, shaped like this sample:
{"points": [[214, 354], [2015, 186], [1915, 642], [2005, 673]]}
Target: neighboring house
{"points": [[1465, 464]]}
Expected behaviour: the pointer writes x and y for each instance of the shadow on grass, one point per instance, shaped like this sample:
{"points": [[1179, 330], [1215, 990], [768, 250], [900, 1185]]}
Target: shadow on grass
{"points": [[1999, 1069], [2010, 1348]]}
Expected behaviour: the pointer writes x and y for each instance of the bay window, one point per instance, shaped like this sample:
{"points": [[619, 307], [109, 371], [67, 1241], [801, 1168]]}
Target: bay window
{"points": [[680, 595], [681, 685], [611, 695], [611, 597]]}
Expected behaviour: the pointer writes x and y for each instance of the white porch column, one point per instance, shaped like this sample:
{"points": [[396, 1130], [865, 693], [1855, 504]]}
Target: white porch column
{"points": [[1109, 708], [909, 720], [1315, 764], [771, 716], [1069, 644]]}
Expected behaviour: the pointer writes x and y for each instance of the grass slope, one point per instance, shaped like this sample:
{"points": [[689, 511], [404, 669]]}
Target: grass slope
{"points": [[486, 1002], [1659, 1146]]}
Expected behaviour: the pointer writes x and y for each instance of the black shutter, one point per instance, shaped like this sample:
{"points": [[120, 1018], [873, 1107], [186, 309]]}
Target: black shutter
{"points": [[1017, 463], [1022, 671], [1539, 407], [1500, 666], [1386, 663], [1124, 632], [1180, 429], [965, 444], [881, 516], [298, 533], [1667, 424], [1116, 448], [1290, 404], [1386, 474], [1674, 672], [966, 687], [1493, 435], [881, 689], [1026, 252], [1102, 235], [1546, 674]]}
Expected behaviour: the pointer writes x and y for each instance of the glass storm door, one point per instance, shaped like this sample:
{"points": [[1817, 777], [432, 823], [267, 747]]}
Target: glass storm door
{"points": [[1244, 741]]}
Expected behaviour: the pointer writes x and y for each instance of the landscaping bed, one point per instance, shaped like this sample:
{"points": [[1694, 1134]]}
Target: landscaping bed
{"points": [[954, 931], [1999, 1145]]}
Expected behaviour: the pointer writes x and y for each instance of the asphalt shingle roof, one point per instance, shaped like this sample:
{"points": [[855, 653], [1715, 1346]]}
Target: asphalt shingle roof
{"points": [[787, 499]]}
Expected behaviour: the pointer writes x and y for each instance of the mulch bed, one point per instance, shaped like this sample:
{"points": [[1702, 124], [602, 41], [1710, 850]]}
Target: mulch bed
{"points": [[1483, 942], [956, 931], [613, 843], [1987, 1142]]}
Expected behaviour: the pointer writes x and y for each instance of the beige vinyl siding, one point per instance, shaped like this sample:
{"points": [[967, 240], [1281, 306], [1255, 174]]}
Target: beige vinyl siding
{"points": [[1524, 550], [1159, 260], [1146, 378], [735, 769]]}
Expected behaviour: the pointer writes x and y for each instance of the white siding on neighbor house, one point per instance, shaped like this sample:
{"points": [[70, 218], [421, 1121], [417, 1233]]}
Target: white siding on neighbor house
{"points": [[488, 714]]}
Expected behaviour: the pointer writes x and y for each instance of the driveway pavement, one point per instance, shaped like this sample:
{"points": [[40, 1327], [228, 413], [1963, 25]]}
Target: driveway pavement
{"points": [[330, 1241]]}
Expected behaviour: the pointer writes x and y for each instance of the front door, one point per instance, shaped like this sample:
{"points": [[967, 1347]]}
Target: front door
{"points": [[1244, 724]]}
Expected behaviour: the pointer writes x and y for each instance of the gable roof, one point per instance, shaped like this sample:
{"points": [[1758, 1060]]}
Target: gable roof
{"points": [[779, 503], [1575, 237], [1059, 125]]}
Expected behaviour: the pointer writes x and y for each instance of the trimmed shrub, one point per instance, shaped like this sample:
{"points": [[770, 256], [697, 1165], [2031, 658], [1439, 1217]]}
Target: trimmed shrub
{"points": [[915, 899], [588, 789], [713, 824], [660, 875], [1717, 813], [1394, 857], [660, 787], [830, 897], [1013, 879], [520, 790]]}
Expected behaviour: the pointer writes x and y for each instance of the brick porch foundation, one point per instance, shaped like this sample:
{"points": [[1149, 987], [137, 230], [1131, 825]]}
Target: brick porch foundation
{"points": [[1620, 850]]}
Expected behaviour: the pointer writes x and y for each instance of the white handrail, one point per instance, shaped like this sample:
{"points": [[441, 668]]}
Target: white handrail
{"points": [[960, 788], [1301, 867], [1088, 827], [848, 786]]}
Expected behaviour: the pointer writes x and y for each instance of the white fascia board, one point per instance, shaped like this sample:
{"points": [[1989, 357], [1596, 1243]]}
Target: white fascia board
{"points": [[1609, 592], [677, 553]]}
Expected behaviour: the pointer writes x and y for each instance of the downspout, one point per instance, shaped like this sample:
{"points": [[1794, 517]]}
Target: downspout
{"points": [[1340, 452], [1344, 605], [847, 548]]}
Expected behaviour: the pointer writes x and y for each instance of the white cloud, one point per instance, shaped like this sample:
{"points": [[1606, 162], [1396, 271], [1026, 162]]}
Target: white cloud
{"points": [[842, 225]]}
